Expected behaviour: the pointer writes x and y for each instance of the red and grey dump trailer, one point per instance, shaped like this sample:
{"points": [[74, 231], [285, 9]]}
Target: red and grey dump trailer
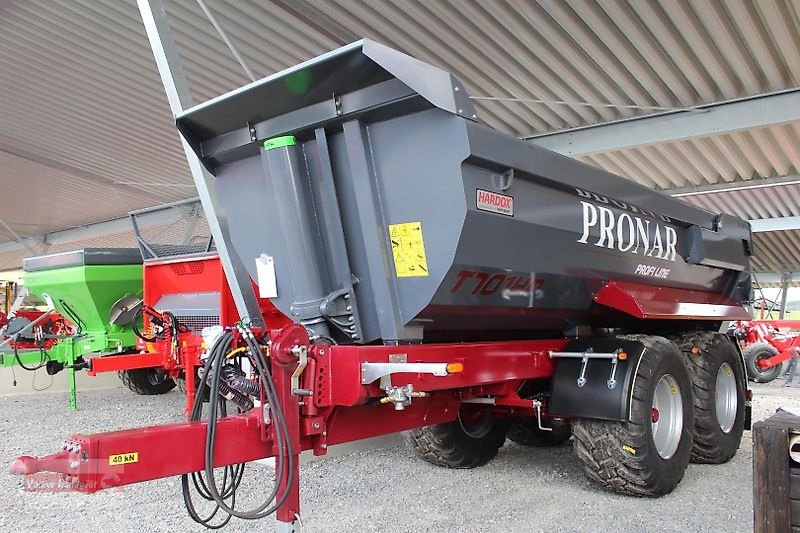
{"points": [[441, 277]]}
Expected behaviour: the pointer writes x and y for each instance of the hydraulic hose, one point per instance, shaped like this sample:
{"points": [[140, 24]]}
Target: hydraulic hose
{"points": [[240, 383], [231, 393], [206, 486]]}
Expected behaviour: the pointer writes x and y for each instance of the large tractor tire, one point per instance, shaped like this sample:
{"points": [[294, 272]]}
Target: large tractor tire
{"points": [[147, 381], [719, 386], [459, 444], [759, 351], [526, 431], [646, 455]]}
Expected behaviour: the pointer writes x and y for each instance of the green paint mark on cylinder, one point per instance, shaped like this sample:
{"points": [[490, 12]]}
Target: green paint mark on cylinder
{"points": [[279, 142]]}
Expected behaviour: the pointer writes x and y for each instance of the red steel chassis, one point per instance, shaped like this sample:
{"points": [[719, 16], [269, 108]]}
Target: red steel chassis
{"points": [[341, 407]]}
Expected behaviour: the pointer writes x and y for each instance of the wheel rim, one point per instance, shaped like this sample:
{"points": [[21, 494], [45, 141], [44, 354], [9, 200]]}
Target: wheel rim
{"points": [[156, 377], [760, 359], [759, 373], [477, 428], [667, 416], [726, 397], [764, 370]]}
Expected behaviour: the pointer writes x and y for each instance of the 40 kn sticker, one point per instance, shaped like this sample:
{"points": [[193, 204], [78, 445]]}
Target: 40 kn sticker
{"points": [[408, 249], [123, 458]]}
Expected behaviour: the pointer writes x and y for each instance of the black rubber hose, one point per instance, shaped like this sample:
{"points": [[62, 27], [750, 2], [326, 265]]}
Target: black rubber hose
{"points": [[235, 379], [44, 358], [140, 314], [284, 460], [234, 472], [229, 393], [245, 386]]}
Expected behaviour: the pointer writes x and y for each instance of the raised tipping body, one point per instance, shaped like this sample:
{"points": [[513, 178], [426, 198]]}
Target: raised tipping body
{"points": [[446, 225]]}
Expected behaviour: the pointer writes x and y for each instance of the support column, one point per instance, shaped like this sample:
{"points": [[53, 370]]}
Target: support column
{"points": [[787, 276]]}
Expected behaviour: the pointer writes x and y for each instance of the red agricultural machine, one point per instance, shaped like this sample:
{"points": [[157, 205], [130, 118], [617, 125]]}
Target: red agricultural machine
{"points": [[185, 291], [46, 335], [434, 275], [766, 345]]}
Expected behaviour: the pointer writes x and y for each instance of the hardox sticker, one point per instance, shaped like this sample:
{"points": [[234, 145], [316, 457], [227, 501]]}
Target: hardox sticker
{"points": [[493, 202]]}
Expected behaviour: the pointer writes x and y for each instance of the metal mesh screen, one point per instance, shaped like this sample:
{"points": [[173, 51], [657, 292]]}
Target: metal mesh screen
{"points": [[196, 323], [171, 230]]}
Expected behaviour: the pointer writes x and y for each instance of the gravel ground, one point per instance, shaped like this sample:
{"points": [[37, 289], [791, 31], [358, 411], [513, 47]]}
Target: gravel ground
{"points": [[385, 489]]}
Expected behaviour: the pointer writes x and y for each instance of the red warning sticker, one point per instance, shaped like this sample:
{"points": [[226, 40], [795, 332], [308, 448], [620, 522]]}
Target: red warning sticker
{"points": [[495, 203]]}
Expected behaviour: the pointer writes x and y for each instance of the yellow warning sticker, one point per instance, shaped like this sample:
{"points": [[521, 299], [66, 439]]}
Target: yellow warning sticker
{"points": [[123, 458], [408, 249], [629, 449]]}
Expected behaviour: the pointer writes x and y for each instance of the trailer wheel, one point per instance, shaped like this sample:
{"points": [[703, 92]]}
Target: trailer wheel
{"points": [[525, 431], [459, 444], [147, 381], [759, 351], [718, 378], [648, 454]]}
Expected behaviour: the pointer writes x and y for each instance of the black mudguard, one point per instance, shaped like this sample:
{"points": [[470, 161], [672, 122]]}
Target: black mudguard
{"points": [[595, 399]]}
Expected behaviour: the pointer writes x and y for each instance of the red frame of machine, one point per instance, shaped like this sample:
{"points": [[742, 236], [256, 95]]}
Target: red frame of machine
{"points": [[341, 408]]}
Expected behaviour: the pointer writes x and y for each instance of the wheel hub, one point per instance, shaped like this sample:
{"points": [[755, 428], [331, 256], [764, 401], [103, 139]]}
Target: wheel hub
{"points": [[726, 398], [478, 427], [667, 416]]}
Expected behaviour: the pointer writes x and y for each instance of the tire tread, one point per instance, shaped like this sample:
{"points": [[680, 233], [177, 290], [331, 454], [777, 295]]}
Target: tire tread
{"points": [[449, 446], [604, 446], [137, 381], [709, 443]]}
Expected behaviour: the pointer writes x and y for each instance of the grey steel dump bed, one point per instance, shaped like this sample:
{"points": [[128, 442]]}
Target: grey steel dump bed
{"points": [[396, 215]]}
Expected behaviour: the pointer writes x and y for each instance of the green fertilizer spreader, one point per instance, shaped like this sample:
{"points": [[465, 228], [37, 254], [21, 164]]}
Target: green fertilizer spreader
{"points": [[96, 290]]}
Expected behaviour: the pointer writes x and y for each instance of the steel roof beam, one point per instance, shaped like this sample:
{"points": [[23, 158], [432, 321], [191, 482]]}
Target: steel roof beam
{"points": [[734, 186], [776, 277], [774, 224], [673, 126]]}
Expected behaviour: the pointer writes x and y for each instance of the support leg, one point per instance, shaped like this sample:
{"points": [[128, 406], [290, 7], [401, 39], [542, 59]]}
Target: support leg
{"points": [[285, 359], [290, 510], [73, 392]]}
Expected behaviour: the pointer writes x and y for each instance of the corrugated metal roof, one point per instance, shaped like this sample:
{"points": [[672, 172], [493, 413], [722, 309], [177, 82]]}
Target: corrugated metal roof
{"points": [[13, 259], [776, 251], [754, 203], [763, 152], [86, 133], [667, 54]]}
